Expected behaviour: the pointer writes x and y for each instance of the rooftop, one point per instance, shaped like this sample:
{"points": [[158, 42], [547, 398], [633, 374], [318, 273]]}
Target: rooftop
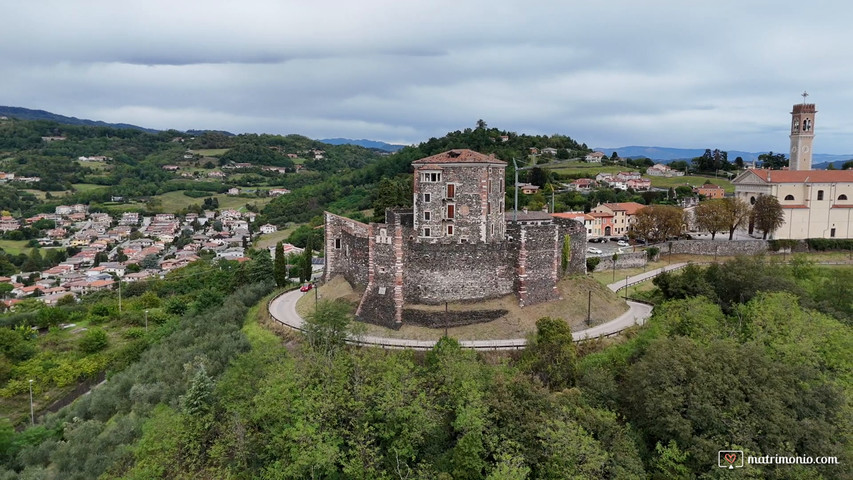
{"points": [[459, 156], [802, 176]]}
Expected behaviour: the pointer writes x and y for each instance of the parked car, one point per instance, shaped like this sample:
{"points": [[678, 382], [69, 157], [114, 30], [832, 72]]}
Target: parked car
{"points": [[594, 251], [598, 240], [306, 287], [622, 243]]}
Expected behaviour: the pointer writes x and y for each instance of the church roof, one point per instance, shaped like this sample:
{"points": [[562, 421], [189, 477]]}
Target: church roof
{"points": [[459, 156], [802, 176]]}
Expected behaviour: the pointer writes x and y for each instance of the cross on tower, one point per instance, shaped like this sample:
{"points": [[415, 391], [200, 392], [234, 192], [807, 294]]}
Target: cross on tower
{"points": [[804, 95]]}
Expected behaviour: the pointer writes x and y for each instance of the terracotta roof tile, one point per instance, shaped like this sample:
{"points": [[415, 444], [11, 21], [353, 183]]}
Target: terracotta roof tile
{"points": [[800, 176], [459, 156]]}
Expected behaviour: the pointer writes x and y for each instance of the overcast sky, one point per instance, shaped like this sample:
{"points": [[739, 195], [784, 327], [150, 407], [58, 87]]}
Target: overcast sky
{"points": [[722, 74]]}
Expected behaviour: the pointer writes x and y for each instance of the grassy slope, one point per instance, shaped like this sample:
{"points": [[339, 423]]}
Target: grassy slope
{"points": [[174, 201], [516, 324]]}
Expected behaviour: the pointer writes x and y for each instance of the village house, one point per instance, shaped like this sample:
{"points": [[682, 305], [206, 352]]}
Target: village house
{"points": [[709, 190], [623, 216], [661, 170], [275, 192], [268, 228], [594, 157], [233, 191], [639, 184], [527, 188], [171, 168]]}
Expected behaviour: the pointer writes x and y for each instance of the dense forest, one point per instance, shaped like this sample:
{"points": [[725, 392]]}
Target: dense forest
{"points": [[222, 396]]}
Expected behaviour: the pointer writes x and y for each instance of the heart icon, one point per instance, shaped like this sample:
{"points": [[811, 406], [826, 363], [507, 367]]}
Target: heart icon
{"points": [[730, 457]]}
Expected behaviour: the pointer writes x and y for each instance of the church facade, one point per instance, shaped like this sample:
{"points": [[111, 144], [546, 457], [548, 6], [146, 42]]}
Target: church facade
{"points": [[816, 203], [457, 244]]}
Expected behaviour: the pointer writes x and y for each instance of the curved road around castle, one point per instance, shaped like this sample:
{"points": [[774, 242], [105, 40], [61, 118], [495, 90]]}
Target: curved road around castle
{"points": [[283, 309]]}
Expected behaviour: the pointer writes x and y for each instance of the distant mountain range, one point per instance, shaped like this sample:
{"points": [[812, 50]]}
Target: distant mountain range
{"points": [[388, 147], [666, 155], [28, 114]]}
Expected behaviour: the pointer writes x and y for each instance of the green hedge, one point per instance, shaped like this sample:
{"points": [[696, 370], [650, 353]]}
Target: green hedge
{"points": [[823, 244]]}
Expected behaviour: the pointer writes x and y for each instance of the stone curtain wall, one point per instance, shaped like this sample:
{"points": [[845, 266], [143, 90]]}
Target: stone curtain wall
{"points": [[436, 273], [577, 234], [351, 259], [708, 247], [624, 260]]}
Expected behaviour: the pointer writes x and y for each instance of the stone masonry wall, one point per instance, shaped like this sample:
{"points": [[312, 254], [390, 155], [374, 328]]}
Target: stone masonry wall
{"points": [[624, 260], [577, 236], [436, 273], [708, 247], [350, 260]]}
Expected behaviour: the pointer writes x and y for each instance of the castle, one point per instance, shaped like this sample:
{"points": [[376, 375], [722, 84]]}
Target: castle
{"points": [[457, 243], [816, 203]]}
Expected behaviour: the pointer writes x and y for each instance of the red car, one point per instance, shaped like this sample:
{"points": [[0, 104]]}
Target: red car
{"points": [[306, 287]]}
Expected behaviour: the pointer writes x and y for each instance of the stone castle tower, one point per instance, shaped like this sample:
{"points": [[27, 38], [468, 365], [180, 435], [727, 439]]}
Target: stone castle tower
{"points": [[459, 196], [455, 244], [802, 135]]}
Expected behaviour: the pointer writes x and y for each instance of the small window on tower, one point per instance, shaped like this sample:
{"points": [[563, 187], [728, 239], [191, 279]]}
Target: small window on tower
{"points": [[427, 232], [427, 197], [789, 197], [451, 190], [451, 211], [427, 216], [338, 243], [820, 194], [450, 229]]}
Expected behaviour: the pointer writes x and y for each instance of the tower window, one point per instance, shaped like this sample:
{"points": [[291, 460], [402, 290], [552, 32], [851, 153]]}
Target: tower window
{"points": [[427, 232], [338, 243], [451, 211], [450, 229], [842, 197], [789, 197], [451, 190], [427, 197], [430, 177], [427, 216], [820, 194]]}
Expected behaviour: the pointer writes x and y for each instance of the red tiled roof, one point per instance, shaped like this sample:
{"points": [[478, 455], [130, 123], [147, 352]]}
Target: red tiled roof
{"points": [[459, 156], [794, 206], [843, 206], [800, 176], [630, 208]]}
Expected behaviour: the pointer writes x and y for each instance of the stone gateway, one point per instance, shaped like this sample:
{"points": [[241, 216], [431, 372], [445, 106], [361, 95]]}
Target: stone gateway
{"points": [[457, 243]]}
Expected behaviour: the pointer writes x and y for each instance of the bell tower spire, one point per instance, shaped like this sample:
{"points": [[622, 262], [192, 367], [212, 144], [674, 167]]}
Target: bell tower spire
{"points": [[802, 135]]}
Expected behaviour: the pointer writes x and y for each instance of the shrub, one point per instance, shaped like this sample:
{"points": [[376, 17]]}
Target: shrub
{"points": [[591, 263], [652, 253], [93, 341], [822, 244]]}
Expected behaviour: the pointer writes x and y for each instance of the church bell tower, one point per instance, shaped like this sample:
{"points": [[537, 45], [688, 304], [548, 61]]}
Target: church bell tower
{"points": [[802, 135]]}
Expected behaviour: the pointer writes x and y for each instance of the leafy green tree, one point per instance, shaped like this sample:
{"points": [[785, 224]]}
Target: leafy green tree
{"points": [[669, 462], [656, 223], [773, 161], [551, 354], [566, 253], [280, 266], [737, 211], [767, 214], [327, 327], [305, 265], [711, 216], [93, 341]]}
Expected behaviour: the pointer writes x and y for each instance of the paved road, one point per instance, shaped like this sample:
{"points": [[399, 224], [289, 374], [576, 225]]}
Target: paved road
{"points": [[283, 309]]}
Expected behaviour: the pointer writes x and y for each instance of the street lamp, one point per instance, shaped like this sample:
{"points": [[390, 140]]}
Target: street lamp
{"points": [[32, 411]]}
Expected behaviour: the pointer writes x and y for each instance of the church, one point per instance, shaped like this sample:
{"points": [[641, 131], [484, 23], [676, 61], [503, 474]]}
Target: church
{"points": [[816, 203]]}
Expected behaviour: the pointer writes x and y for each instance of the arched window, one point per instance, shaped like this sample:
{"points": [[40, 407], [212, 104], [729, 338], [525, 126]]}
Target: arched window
{"points": [[789, 197], [842, 197], [820, 194], [752, 200]]}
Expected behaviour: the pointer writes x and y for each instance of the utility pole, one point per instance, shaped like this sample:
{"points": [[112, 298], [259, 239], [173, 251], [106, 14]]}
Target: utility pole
{"points": [[515, 190], [32, 411], [146, 321], [626, 287], [588, 307], [119, 296]]}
